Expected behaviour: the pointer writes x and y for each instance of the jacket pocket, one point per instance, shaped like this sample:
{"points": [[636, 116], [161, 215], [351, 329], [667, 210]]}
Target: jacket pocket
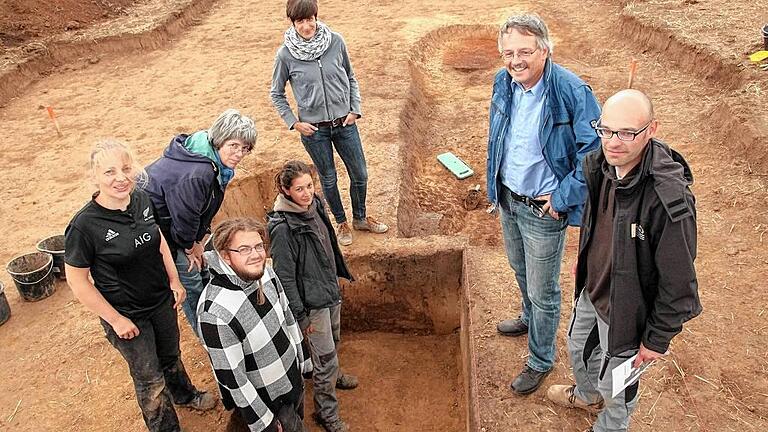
{"points": [[308, 94]]}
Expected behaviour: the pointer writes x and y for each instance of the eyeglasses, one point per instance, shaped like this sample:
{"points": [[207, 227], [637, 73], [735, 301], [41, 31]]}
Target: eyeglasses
{"points": [[235, 147], [623, 135], [523, 54], [247, 250]]}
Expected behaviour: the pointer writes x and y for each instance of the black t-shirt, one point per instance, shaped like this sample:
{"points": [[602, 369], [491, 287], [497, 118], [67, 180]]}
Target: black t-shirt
{"points": [[122, 250]]}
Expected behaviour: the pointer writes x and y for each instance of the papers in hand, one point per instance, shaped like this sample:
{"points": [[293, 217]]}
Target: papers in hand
{"points": [[624, 375]]}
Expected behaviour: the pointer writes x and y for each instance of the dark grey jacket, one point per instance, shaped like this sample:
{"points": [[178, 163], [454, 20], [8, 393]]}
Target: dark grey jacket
{"points": [[301, 263], [325, 89], [653, 278]]}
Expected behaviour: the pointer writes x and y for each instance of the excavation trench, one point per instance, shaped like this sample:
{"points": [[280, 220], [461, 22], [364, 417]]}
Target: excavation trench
{"points": [[447, 111], [402, 325]]}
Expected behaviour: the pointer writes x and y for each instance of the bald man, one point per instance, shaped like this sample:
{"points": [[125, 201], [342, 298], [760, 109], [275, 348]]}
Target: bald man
{"points": [[635, 276]]}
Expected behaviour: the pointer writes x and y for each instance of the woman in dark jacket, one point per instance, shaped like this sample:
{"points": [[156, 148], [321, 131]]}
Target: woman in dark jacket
{"points": [[187, 187], [308, 262]]}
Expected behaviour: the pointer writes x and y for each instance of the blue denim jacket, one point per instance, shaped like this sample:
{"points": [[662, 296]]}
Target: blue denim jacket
{"points": [[565, 133]]}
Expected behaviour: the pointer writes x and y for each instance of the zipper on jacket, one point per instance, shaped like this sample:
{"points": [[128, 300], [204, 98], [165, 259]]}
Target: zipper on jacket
{"points": [[325, 95], [499, 151], [606, 359], [573, 321]]}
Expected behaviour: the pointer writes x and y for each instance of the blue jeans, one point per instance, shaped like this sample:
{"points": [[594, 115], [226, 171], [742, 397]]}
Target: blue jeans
{"points": [[193, 282], [534, 247], [154, 361], [349, 147]]}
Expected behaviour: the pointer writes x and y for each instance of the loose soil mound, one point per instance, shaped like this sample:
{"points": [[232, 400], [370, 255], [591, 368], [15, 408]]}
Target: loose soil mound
{"points": [[21, 21]]}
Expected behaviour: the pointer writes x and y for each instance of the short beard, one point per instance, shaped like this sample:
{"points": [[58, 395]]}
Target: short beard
{"points": [[248, 276]]}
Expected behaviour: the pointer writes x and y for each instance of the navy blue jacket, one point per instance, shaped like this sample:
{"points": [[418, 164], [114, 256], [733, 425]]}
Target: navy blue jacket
{"points": [[185, 192], [566, 134]]}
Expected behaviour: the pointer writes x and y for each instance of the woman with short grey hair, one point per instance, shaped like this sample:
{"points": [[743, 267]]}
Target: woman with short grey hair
{"points": [[187, 187]]}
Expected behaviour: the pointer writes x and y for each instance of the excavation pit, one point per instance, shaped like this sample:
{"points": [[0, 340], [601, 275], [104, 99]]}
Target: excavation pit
{"points": [[473, 53], [402, 325], [447, 111], [402, 335]]}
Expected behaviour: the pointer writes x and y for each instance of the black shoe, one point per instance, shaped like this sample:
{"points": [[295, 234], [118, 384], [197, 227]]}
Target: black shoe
{"points": [[512, 327], [528, 381]]}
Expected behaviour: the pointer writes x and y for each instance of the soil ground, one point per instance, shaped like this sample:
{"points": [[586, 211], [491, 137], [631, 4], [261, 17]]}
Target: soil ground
{"points": [[425, 90], [22, 21]]}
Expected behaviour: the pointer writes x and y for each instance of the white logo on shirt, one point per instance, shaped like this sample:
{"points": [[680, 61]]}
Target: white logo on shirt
{"points": [[637, 231], [141, 239], [110, 235], [148, 214]]}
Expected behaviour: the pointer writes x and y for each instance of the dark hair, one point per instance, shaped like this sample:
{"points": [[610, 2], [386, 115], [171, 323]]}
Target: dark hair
{"points": [[223, 233], [301, 9], [290, 171]]}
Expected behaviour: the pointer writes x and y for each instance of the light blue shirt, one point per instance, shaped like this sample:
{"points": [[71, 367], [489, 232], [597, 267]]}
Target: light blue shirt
{"points": [[523, 168]]}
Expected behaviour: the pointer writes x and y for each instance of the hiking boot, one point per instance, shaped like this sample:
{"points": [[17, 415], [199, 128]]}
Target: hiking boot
{"points": [[512, 327], [344, 234], [528, 381], [346, 382], [369, 224], [203, 401], [332, 426], [565, 396]]}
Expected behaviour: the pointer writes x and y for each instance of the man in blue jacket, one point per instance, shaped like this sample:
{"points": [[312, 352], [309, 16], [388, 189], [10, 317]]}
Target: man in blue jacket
{"points": [[539, 133], [187, 187]]}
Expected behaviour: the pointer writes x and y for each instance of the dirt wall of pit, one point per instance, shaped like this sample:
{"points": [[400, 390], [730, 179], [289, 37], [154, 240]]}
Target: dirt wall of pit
{"points": [[404, 287]]}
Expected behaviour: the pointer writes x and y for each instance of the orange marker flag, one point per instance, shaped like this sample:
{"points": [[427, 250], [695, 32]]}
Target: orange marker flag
{"points": [[632, 72], [53, 119]]}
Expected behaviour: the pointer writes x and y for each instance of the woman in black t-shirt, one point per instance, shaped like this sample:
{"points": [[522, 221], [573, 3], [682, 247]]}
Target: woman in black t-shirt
{"points": [[135, 289]]}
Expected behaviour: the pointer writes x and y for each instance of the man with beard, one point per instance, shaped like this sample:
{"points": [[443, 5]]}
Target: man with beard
{"points": [[540, 131], [250, 334]]}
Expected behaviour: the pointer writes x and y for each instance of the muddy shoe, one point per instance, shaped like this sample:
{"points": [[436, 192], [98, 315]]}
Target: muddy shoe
{"points": [[370, 224], [344, 234], [203, 401], [346, 382], [565, 396], [331, 426]]}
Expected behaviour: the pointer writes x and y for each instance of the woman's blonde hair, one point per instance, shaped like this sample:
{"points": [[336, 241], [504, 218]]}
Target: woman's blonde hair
{"points": [[112, 147]]}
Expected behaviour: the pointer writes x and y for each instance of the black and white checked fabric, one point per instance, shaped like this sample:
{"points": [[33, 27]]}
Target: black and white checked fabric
{"points": [[255, 350]]}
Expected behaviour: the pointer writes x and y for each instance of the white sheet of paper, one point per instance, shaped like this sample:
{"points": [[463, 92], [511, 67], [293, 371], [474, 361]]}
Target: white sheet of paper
{"points": [[624, 375]]}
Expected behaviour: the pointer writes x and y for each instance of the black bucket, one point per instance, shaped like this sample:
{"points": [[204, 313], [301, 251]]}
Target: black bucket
{"points": [[33, 275], [765, 37], [5, 308], [54, 245]]}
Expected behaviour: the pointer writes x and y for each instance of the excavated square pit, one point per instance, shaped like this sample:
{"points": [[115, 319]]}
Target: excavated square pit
{"points": [[402, 337], [403, 327]]}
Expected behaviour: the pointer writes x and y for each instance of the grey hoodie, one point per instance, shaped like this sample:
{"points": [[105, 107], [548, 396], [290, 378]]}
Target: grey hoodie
{"points": [[325, 89]]}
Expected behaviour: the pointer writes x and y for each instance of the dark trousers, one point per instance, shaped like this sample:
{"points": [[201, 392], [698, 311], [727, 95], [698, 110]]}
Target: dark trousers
{"points": [[290, 416], [154, 362]]}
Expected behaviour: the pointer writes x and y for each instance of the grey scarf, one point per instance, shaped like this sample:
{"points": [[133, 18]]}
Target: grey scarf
{"points": [[308, 50]]}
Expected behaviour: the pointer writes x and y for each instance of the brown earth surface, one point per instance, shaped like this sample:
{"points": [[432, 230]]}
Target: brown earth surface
{"points": [[22, 21], [425, 70]]}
